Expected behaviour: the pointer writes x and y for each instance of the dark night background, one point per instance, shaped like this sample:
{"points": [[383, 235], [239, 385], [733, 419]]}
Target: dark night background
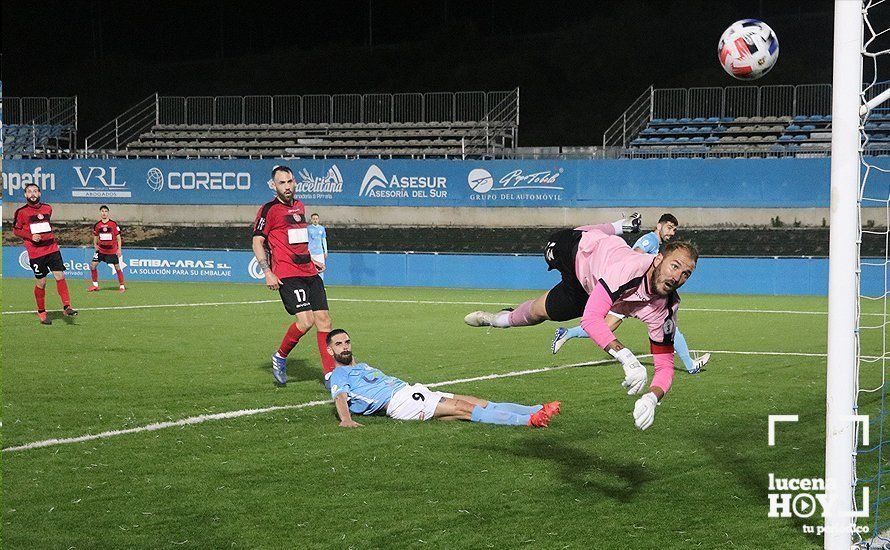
{"points": [[578, 64]]}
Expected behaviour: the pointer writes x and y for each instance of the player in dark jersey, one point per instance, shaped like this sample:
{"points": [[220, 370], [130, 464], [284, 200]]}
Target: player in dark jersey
{"points": [[107, 242], [32, 223], [281, 247]]}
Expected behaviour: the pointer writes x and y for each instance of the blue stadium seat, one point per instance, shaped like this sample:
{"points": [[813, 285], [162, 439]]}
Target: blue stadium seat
{"points": [[816, 118], [668, 140], [656, 121], [799, 118], [705, 129], [683, 139], [726, 119], [712, 139], [785, 138], [799, 137], [664, 130], [808, 127], [698, 119], [713, 120], [670, 121], [793, 128], [685, 120], [698, 139], [871, 126]]}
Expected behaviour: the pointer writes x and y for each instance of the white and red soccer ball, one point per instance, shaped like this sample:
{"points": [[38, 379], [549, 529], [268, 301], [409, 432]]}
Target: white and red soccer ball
{"points": [[748, 49]]}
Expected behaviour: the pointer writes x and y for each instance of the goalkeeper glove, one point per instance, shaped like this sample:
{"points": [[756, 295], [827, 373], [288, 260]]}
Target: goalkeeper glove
{"points": [[644, 410], [635, 375]]}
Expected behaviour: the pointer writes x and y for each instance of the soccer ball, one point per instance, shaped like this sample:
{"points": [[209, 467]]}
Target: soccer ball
{"points": [[748, 49]]}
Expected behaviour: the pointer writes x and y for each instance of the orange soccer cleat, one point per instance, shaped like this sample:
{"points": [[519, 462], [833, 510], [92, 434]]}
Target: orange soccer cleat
{"points": [[539, 419], [551, 409]]}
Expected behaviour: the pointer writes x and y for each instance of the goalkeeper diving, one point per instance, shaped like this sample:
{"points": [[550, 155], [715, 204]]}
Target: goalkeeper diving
{"points": [[601, 273]]}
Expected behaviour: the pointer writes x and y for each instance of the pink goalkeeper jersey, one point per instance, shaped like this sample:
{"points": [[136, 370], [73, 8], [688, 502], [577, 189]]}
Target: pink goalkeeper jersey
{"points": [[615, 277]]}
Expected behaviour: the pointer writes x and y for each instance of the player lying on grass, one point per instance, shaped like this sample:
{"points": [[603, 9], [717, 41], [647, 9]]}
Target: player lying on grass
{"points": [[601, 273], [362, 389], [650, 243]]}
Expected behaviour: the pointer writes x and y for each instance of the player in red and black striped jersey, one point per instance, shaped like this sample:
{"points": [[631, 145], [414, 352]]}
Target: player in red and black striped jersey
{"points": [[281, 247], [107, 242], [32, 223]]}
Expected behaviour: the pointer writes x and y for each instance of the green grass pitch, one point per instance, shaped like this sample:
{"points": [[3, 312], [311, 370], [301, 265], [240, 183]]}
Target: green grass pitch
{"points": [[294, 479]]}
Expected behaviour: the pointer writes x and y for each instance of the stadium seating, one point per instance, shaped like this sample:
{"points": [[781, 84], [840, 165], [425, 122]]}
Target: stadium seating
{"points": [[35, 139], [754, 121], [736, 136], [407, 125], [410, 139]]}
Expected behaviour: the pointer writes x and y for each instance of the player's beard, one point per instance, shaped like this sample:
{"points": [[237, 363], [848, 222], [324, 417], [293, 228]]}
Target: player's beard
{"points": [[33, 200], [658, 281], [344, 358], [284, 198]]}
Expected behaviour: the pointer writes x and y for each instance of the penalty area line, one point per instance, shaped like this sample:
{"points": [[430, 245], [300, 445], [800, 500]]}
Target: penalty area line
{"points": [[250, 412]]}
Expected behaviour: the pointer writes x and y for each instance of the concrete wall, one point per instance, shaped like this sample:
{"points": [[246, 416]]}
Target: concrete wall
{"points": [[431, 216]]}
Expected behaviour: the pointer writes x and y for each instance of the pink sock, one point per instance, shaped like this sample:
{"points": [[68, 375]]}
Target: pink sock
{"points": [[521, 316]]}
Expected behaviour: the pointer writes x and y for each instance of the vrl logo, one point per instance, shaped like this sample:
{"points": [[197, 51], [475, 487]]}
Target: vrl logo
{"points": [[107, 177]]}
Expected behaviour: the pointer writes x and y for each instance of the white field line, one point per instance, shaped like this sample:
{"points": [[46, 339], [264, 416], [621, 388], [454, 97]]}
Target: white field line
{"points": [[422, 302], [250, 412]]}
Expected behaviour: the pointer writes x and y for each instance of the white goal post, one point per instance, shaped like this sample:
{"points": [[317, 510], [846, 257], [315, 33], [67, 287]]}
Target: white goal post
{"points": [[843, 288]]}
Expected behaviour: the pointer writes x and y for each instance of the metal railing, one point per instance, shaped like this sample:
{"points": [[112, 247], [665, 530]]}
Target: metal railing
{"points": [[731, 101], [327, 109], [499, 130], [40, 110], [124, 128], [631, 121]]}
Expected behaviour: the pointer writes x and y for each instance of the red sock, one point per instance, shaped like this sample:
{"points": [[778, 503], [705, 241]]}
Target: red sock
{"points": [[120, 276], [94, 273], [40, 296], [327, 362], [62, 288], [290, 340]]}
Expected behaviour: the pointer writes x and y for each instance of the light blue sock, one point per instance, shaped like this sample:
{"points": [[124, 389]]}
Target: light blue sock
{"points": [[493, 416], [576, 332], [514, 408], [682, 350]]}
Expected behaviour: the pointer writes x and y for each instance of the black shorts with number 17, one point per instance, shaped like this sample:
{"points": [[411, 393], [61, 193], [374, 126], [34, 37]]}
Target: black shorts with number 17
{"points": [[303, 294]]}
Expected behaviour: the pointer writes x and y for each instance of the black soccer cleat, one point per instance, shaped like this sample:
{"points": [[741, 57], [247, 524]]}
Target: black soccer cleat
{"points": [[70, 311], [633, 223]]}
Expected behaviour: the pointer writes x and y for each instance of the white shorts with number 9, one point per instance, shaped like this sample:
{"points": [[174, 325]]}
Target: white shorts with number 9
{"points": [[415, 402]]}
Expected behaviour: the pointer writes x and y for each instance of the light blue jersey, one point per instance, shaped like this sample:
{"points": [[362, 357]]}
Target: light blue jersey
{"points": [[648, 243], [318, 239], [367, 389]]}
